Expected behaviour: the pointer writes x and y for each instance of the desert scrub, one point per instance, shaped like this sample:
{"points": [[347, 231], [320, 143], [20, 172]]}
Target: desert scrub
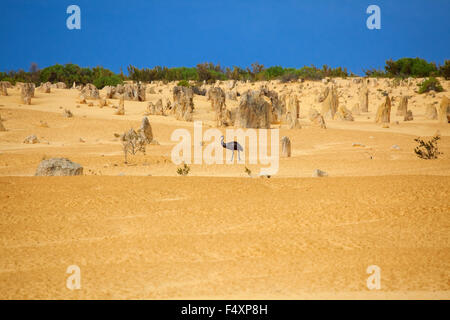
{"points": [[430, 84], [184, 83], [427, 149], [184, 170]]}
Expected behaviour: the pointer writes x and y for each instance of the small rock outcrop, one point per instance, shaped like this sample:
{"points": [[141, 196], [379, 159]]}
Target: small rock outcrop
{"points": [[134, 92], [254, 111], [319, 173], [402, 108], [330, 104], [431, 113], [2, 127], [292, 111], [183, 99], [4, 85], [443, 110], [110, 91], [31, 139], [408, 116], [146, 130], [90, 91], [383, 115], [67, 113], [343, 114], [316, 118], [121, 110], [27, 92], [217, 97], [285, 147], [364, 99], [58, 167], [45, 87], [61, 85]]}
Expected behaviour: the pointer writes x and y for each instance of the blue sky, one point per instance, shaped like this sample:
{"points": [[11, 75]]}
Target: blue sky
{"points": [[146, 33]]}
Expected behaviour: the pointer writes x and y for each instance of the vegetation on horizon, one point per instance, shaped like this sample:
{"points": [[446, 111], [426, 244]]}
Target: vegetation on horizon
{"points": [[430, 84], [411, 67], [209, 72]]}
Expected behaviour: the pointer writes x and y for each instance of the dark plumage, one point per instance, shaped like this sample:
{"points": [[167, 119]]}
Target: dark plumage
{"points": [[233, 146]]}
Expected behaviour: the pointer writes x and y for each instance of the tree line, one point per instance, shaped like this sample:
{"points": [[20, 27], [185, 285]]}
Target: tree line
{"points": [[210, 72]]}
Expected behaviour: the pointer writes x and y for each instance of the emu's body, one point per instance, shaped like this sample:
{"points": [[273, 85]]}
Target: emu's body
{"points": [[233, 146]]}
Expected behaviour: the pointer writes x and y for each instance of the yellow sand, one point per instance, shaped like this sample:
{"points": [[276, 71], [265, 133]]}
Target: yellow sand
{"points": [[219, 233]]}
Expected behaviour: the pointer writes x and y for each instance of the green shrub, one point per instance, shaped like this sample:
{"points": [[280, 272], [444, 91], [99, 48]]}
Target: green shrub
{"points": [[101, 82], [184, 171], [430, 84], [444, 70], [183, 83], [410, 67]]}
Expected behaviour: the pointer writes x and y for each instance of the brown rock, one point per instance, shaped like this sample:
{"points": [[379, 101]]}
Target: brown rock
{"points": [[285, 147], [444, 110], [254, 110], [384, 112]]}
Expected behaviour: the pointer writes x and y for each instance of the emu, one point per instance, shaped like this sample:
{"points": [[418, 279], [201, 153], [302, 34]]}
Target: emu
{"points": [[233, 146]]}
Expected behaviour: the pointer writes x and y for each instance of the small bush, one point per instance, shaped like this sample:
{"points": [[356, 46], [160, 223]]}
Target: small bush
{"points": [[184, 171], [427, 149], [288, 77], [445, 70], [430, 84], [184, 83]]}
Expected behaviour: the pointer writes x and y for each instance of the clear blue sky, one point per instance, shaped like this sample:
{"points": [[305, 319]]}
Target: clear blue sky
{"points": [[291, 33]]}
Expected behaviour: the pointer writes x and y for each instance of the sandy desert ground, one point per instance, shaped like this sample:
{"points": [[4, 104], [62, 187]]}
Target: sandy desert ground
{"points": [[139, 230]]}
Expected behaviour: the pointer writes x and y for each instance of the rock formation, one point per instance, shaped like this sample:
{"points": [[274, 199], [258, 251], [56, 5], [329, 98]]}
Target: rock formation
{"points": [[183, 99], [444, 110], [58, 167], [46, 87], [402, 108], [90, 91], [102, 103], [27, 92], [383, 115], [134, 92], [4, 88], [31, 139], [121, 110], [156, 108], [60, 85], [254, 111], [316, 118], [408, 116], [292, 111], [330, 104], [146, 131], [217, 97], [110, 92], [278, 104], [324, 94], [285, 147], [344, 114], [431, 113], [67, 113], [364, 99]]}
